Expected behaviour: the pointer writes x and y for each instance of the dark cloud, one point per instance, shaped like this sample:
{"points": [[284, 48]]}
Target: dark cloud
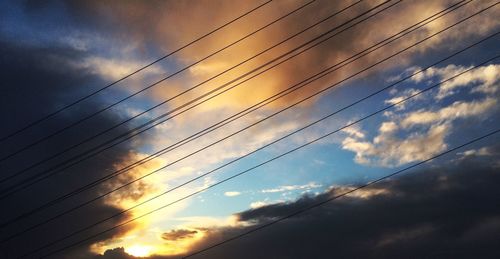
{"points": [[447, 212], [178, 234], [37, 80], [119, 253], [444, 212]]}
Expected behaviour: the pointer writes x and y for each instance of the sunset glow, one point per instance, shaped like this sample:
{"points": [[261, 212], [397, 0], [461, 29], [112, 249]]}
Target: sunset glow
{"points": [[249, 129], [138, 250]]}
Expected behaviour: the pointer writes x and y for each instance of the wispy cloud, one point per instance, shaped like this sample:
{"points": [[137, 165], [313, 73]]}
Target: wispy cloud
{"points": [[486, 77], [292, 188], [232, 194], [452, 112]]}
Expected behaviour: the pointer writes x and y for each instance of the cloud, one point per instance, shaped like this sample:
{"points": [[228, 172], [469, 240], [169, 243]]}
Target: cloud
{"points": [[388, 127], [292, 188], [51, 83], [415, 134], [118, 252], [114, 69], [484, 151], [483, 79], [417, 216], [258, 204], [232, 194], [151, 29], [176, 234], [458, 109], [406, 93], [354, 131], [369, 193], [387, 149], [170, 24]]}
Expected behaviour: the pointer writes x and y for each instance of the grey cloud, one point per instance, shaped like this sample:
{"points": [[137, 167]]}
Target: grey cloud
{"points": [[178, 234], [36, 80], [442, 212]]}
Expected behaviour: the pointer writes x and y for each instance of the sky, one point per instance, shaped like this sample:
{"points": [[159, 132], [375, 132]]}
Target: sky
{"points": [[388, 101]]}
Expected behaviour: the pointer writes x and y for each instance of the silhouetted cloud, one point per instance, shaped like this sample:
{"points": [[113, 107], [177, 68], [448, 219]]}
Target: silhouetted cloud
{"points": [[178, 234], [38, 80], [445, 212], [53, 53]]}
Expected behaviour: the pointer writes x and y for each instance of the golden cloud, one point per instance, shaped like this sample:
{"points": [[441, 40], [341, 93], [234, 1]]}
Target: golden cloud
{"points": [[170, 24]]}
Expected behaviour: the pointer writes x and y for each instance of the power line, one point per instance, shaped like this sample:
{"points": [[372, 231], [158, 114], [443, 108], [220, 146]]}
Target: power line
{"points": [[157, 170], [268, 161], [264, 102], [150, 86], [34, 180], [245, 171], [165, 101], [342, 194], [131, 74]]}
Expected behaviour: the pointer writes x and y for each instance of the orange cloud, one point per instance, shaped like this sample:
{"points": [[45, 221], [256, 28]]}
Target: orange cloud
{"points": [[171, 24]]}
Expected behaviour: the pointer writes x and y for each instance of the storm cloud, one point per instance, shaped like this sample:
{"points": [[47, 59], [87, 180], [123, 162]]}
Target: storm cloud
{"points": [[38, 80], [438, 212]]}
